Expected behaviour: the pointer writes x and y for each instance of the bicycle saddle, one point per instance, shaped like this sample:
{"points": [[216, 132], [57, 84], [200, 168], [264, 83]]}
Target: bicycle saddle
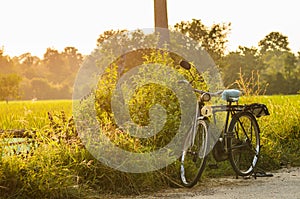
{"points": [[231, 95]]}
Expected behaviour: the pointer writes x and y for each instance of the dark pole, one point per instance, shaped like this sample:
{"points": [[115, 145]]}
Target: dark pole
{"points": [[160, 14], [161, 21]]}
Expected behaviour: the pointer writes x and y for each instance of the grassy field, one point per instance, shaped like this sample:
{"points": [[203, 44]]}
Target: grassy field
{"points": [[30, 114], [280, 132], [61, 167], [281, 128]]}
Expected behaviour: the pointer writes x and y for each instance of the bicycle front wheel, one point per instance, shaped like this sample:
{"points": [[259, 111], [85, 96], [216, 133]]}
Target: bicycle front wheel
{"points": [[193, 157], [244, 144]]}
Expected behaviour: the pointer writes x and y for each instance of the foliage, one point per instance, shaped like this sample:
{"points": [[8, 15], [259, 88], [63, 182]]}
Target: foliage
{"points": [[60, 166], [56, 73], [240, 63], [146, 96], [107, 34], [274, 41], [212, 39], [272, 59], [282, 72], [9, 86], [277, 69]]}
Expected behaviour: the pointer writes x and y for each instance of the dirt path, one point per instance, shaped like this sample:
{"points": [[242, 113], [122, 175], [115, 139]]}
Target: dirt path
{"points": [[284, 184]]}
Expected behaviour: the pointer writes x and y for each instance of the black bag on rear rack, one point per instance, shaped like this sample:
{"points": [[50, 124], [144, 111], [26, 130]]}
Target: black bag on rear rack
{"points": [[257, 109]]}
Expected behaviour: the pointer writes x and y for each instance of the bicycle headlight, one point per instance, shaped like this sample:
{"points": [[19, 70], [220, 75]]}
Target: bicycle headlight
{"points": [[205, 97]]}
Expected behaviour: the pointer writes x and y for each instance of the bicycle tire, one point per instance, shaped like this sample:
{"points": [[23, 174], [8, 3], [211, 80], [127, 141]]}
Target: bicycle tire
{"points": [[193, 159], [244, 144]]}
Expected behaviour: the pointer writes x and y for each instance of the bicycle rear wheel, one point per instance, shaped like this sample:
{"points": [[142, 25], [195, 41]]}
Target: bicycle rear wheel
{"points": [[193, 157], [244, 144]]}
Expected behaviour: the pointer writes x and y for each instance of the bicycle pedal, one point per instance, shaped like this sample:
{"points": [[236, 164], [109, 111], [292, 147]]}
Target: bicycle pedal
{"points": [[213, 166]]}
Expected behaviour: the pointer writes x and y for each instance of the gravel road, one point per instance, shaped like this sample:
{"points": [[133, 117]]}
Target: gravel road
{"points": [[285, 183]]}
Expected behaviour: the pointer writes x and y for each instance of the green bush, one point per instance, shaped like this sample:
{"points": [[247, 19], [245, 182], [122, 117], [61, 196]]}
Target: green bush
{"points": [[143, 99]]}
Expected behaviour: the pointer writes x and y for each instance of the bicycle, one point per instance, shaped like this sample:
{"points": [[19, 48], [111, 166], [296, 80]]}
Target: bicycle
{"points": [[239, 141]]}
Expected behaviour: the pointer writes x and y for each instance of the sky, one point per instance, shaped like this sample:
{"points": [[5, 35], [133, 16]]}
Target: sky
{"points": [[34, 25]]}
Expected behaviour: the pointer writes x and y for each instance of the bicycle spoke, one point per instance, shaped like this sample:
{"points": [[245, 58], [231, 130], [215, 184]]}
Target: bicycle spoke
{"points": [[243, 128]]}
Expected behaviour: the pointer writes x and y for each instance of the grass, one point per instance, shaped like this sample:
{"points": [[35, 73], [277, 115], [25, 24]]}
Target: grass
{"points": [[280, 132], [30, 114], [60, 167]]}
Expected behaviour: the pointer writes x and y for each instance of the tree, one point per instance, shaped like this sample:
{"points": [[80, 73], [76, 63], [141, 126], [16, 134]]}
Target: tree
{"points": [[281, 72], [28, 60], [281, 65], [6, 64], [243, 63], [127, 49], [213, 38], [107, 34], [9, 86], [290, 61], [274, 41], [53, 61], [72, 61], [62, 66]]}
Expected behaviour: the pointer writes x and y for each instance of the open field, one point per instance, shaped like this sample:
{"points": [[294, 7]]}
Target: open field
{"points": [[280, 132], [284, 110], [30, 114]]}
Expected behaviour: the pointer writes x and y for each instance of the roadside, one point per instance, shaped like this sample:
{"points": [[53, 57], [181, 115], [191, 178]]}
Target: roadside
{"points": [[284, 184]]}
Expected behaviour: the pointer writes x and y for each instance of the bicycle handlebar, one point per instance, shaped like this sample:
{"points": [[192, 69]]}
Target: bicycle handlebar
{"points": [[230, 95], [214, 94]]}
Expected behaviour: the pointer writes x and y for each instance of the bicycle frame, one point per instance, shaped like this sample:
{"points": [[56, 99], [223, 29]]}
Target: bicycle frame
{"points": [[192, 132], [230, 111]]}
